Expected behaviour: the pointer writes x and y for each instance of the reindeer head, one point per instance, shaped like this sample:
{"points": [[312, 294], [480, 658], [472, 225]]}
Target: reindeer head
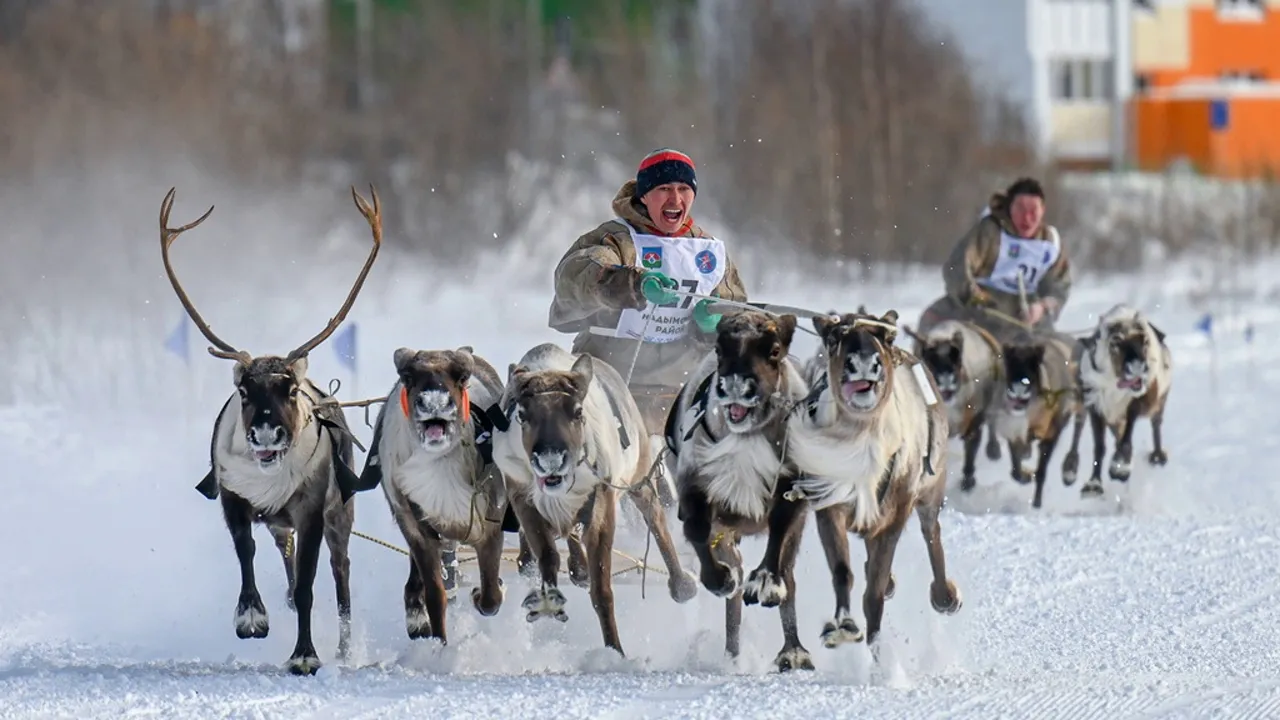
{"points": [[1123, 333], [859, 363], [750, 349], [434, 396], [944, 356], [1023, 363], [273, 409], [273, 406], [549, 409]]}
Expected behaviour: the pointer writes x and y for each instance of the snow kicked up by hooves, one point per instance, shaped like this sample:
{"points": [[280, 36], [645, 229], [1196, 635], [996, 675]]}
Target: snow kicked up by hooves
{"points": [[1154, 600]]}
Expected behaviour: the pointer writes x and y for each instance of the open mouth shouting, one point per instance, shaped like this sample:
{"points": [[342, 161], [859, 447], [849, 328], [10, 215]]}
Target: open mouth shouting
{"points": [[1133, 383], [269, 459], [434, 432], [737, 413]]}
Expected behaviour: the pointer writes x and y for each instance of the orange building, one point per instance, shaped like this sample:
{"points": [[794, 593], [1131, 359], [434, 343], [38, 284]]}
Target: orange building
{"points": [[1206, 86]]}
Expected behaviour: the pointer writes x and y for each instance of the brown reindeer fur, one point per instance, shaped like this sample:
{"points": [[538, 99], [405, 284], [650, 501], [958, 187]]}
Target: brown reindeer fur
{"points": [[1124, 372], [870, 449], [1037, 401], [727, 432], [564, 456]]}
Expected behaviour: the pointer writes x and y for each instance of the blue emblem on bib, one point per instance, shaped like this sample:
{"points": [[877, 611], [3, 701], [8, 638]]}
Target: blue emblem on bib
{"points": [[706, 261]]}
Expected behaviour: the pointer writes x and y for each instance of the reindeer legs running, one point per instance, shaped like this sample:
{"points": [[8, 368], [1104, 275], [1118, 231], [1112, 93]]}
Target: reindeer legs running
{"points": [[251, 613], [682, 585], [833, 523]]}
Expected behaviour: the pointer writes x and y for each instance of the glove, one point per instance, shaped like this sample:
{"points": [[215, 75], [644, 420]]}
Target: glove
{"points": [[656, 288], [706, 320]]}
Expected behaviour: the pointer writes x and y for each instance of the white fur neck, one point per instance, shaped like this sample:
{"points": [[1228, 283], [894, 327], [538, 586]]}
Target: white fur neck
{"points": [[605, 460], [240, 473], [843, 457], [444, 483], [741, 469]]}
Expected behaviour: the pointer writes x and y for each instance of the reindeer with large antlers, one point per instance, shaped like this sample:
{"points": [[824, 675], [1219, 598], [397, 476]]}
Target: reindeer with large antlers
{"points": [[281, 455]]}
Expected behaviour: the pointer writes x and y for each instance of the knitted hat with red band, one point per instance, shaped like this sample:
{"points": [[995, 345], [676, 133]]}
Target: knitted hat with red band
{"points": [[664, 166]]}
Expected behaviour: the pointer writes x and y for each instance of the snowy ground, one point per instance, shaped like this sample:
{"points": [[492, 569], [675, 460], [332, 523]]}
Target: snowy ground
{"points": [[121, 581]]}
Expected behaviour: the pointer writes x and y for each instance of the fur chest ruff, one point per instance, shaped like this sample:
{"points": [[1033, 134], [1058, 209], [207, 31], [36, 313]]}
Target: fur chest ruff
{"points": [[560, 509], [738, 472], [269, 492], [837, 469], [448, 489]]}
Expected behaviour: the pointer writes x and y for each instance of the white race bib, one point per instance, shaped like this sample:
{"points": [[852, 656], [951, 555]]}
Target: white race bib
{"points": [[1021, 257], [698, 264]]}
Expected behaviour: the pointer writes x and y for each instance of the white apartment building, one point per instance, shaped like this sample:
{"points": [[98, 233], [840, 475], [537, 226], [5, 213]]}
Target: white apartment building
{"points": [[1065, 63]]}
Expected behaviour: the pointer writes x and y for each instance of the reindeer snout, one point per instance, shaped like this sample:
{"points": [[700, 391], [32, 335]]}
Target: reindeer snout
{"points": [[550, 462], [738, 389], [430, 404], [1136, 368], [863, 367], [267, 435]]}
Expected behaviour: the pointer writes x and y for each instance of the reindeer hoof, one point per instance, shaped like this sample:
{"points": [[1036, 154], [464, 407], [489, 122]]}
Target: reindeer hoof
{"points": [[796, 658], [1070, 469], [1158, 457], [578, 576], [1091, 488], [968, 483], [545, 603], [251, 619], [722, 580], [417, 623], [304, 665], [527, 566], [1119, 469], [490, 608], [946, 598], [765, 588], [844, 629], [993, 450], [683, 587], [1019, 476]]}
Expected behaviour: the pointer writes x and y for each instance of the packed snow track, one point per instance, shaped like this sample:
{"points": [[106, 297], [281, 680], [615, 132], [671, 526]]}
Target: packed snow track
{"points": [[1158, 600]]}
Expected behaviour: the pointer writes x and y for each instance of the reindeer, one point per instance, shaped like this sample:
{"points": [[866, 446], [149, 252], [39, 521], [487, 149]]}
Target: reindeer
{"points": [[870, 447], [433, 457], [1038, 400], [571, 436], [281, 455], [727, 431], [1124, 372], [965, 362]]}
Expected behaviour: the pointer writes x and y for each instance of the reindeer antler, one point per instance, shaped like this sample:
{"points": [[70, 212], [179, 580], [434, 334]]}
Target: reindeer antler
{"points": [[374, 216], [167, 235]]}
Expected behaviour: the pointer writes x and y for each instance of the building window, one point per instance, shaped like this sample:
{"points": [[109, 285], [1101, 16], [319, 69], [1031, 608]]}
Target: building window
{"points": [[1240, 9], [1081, 80]]}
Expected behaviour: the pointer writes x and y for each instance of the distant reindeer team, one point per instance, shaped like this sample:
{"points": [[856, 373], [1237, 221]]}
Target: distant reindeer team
{"points": [[757, 438]]}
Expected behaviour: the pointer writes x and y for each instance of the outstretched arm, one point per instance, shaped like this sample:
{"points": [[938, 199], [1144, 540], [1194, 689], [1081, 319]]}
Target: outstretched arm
{"points": [[972, 257], [592, 276]]}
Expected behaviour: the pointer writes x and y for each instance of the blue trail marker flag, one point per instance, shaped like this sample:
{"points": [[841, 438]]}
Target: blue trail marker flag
{"points": [[344, 345], [176, 343], [1205, 324]]}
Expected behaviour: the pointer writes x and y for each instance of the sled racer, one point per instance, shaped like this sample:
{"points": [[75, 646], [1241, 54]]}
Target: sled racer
{"points": [[1010, 241], [624, 288]]}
